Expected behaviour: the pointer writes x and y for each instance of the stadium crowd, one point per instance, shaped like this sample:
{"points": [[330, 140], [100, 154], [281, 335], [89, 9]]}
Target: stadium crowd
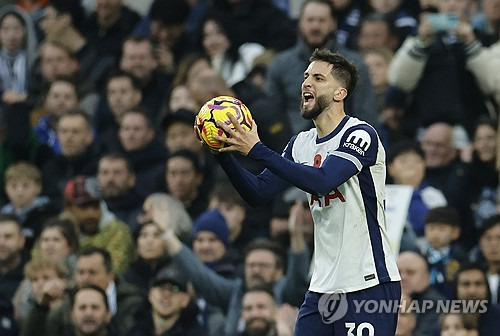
{"points": [[99, 163]]}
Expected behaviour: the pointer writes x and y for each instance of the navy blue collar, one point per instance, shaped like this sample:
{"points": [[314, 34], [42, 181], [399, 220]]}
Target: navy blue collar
{"points": [[334, 132]]}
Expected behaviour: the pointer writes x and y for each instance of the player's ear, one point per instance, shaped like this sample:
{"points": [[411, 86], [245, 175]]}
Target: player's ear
{"points": [[340, 94]]}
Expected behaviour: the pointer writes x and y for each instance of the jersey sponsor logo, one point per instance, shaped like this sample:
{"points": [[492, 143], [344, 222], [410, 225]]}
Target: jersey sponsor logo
{"points": [[359, 141], [325, 201]]}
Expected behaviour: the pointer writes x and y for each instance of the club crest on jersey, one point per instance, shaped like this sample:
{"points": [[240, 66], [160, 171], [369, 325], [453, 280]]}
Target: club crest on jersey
{"points": [[359, 141]]}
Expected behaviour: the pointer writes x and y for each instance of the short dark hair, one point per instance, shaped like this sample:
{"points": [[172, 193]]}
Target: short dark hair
{"points": [[471, 266], [261, 287], [488, 224], [141, 111], [404, 146], [71, 7], [91, 250], [67, 229], [119, 157], [268, 245], [328, 3], [120, 74], [343, 70], [77, 112], [443, 215], [227, 194], [91, 287], [11, 218], [380, 17], [170, 12], [188, 155], [66, 79], [485, 120]]}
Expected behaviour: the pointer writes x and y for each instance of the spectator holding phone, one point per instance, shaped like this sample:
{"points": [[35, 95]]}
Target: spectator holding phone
{"points": [[421, 64]]}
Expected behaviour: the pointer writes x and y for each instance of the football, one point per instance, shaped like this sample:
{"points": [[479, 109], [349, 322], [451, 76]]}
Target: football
{"points": [[216, 109]]}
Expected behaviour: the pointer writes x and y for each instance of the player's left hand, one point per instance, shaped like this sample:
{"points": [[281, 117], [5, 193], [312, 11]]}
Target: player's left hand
{"points": [[239, 140]]}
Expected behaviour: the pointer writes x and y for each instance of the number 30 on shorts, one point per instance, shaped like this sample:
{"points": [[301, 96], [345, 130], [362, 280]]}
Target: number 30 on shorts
{"points": [[352, 330]]}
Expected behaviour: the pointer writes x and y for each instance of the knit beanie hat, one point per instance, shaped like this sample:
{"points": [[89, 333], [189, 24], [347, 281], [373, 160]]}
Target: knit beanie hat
{"points": [[212, 221]]}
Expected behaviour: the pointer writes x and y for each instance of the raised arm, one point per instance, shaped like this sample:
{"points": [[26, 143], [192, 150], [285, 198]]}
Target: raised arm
{"points": [[337, 168]]}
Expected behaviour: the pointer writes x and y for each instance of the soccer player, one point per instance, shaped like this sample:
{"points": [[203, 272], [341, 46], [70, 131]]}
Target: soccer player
{"points": [[340, 164]]}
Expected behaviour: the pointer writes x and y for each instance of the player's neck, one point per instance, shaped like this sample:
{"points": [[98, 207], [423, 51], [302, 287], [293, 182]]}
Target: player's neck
{"points": [[327, 121]]}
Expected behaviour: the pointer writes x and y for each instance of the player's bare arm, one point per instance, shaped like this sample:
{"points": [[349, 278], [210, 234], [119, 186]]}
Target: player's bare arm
{"points": [[239, 140]]}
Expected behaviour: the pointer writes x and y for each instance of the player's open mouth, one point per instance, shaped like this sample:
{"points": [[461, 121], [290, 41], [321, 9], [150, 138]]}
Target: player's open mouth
{"points": [[308, 98]]}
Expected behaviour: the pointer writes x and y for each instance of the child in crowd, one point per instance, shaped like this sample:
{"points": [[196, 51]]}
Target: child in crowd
{"points": [[23, 186], [442, 229], [456, 325], [406, 166]]}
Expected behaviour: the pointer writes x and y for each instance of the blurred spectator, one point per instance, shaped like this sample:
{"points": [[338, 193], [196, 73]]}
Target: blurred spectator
{"points": [[406, 317], [123, 92], [444, 256], [93, 268], [487, 21], [63, 24], [286, 73], [139, 143], [232, 61], [38, 274], [58, 242], [415, 282], [190, 66], [62, 96], [62, 21], [179, 134], [78, 154], [433, 58], [453, 324], [489, 244], [117, 184], [168, 32], [446, 171], [211, 243], [395, 11], [278, 32], [138, 59], [181, 98], [173, 311], [56, 60], [18, 53], [23, 186], [11, 256], [377, 60], [207, 84], [291, 205], [108, 26], [151, 256], [406, 166], [98, 227], [183, 177], [178, 218], [472, 286], [226, 199], [263, 317], [90, 315], [264, 264], [481, 179], [376, 32]]}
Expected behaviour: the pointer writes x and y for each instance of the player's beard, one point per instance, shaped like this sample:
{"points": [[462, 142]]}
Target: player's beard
{"points": [[320, 105]]}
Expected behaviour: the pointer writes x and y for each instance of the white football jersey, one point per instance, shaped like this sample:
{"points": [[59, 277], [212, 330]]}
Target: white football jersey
{"points": [[351, 247]]}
